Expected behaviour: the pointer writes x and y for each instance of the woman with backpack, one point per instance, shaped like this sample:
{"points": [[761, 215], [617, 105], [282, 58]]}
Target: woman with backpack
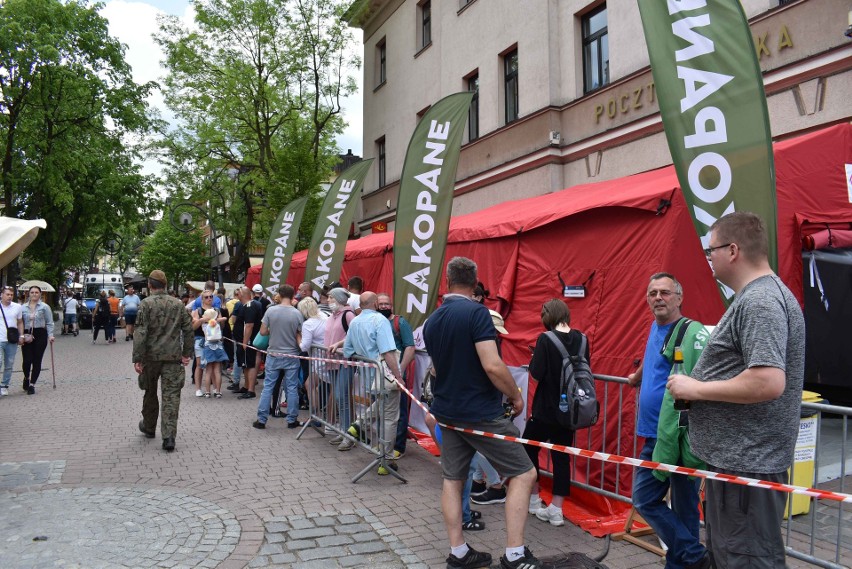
{"points": [[38, 331], [543, 425], [102, 315]]}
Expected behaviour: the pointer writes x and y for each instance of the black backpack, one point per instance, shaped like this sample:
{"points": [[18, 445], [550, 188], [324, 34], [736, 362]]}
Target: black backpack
{"points": [[577, 384], [103, 309]]}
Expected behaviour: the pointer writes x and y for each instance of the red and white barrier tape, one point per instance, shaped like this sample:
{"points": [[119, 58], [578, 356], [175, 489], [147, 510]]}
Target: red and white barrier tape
{"points": [[608, 457]]}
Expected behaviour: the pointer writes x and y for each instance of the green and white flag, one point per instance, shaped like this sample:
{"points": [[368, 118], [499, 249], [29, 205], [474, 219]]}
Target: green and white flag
{"points": [[425, 206], [713, 107], [328, 244], [279, 249]]}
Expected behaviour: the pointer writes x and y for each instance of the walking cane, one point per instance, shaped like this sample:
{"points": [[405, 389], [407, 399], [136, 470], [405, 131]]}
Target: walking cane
{"points": [[52, 365]]}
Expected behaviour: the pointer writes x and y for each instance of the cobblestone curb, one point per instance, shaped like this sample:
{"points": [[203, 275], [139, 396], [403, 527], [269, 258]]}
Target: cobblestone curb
{"points": [[352, 538]]}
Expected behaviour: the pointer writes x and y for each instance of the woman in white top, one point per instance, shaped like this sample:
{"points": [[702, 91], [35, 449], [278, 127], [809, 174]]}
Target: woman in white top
{"points": [[313, 332], [38, 331]]}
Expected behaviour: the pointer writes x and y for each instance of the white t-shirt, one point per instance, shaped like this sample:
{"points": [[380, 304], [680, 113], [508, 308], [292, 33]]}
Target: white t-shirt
{"points": [[12, 314], [354, 301], [70, 305], [313, 332]]}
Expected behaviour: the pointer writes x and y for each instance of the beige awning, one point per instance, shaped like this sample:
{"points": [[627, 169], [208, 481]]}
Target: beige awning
{"points": [[16, 235]]}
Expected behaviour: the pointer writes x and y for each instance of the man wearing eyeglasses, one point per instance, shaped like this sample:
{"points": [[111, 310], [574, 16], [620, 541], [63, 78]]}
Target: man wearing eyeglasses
{"points": [[678, 527], [746, 395]]}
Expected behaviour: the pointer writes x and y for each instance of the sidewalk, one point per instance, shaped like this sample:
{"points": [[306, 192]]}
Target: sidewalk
{"points": [[74, 469]]}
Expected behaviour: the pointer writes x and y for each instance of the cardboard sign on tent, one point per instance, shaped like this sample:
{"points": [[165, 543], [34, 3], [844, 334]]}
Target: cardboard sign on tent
{"points": [[611, 237]]}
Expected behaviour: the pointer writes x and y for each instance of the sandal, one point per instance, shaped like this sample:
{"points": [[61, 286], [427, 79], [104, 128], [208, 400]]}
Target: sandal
{"points": [[207, 394], [473, 525], [475, 514]]}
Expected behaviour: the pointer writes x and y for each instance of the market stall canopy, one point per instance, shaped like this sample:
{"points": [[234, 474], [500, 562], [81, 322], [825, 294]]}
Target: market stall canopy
{"points": [[45, 287], [16, 235]]}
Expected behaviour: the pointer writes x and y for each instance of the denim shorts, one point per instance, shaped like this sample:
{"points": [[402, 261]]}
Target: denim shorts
{"points": [[70, 319], [457, 449], [199, 347]]}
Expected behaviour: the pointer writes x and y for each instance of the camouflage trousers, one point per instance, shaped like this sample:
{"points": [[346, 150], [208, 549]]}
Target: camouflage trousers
{"points": [[173, 377]]}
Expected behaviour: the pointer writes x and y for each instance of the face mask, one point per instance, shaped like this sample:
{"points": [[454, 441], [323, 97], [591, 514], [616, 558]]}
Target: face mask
{"points": [[386, 312], [334, 306]]}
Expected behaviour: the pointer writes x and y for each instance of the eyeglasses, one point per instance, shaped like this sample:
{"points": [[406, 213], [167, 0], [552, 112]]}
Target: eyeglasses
{"points": [[709, 250], [207, 296], [660, 293]]}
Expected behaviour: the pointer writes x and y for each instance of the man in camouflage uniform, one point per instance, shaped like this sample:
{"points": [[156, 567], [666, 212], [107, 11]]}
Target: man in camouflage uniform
{"points": [[163, 345]]}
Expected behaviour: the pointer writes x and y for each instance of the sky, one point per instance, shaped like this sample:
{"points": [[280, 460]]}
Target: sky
{"points": [[133, 23]]}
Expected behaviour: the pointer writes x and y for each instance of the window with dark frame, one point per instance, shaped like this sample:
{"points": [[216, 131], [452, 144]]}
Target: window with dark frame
{"points": [[381, 56], [595, 50], [510, 85], [473, 112], [380, 153], [425, 23]]}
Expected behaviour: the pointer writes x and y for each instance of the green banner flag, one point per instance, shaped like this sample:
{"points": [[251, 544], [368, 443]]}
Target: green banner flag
{"points": [[279, 249], [425, 206], [328, 244], [710, 88]]}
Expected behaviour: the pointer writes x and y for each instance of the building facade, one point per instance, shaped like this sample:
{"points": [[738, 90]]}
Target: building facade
{"points": [[563, 88]]}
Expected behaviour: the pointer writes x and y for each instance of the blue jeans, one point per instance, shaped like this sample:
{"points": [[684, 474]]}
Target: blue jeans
{"points": [[274, 368], [482, 470], [466, 496], [342, 380], [678, 526], [7, 355], [402, 426]]}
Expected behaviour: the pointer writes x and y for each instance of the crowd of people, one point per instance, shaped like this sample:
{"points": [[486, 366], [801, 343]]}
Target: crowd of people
{"points": [[731, 405]]}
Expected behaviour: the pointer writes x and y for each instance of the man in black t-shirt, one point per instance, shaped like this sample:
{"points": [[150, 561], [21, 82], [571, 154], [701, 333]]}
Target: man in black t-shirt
{"points": [[246, 327]]}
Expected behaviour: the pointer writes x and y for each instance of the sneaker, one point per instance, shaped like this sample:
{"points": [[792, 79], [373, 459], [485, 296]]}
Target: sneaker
{"points": [[490, 496], [535, 504], [258, 425], [397, 454], [346, 444], [199, 393], [127, 338], [551, 514], [234, 387], [354, 430], [383, 471], [4, 391], [478, 487], [295, 425], [528, 561], [471, 560], [336, 440], [329, 431], [31, 389], [248, 395]]}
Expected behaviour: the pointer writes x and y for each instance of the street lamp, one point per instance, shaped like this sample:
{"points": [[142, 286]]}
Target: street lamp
{"points": [[183, 223], [111, 244]]}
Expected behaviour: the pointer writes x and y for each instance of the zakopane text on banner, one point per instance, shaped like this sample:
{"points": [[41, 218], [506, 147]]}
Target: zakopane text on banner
{"points": [[279, 248]]}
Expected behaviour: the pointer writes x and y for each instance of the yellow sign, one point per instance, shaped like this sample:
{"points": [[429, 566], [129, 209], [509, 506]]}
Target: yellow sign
{"points": [[625, 102]]}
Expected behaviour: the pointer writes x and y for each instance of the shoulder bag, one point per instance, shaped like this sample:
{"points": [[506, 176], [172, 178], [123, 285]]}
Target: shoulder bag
{"points": [[12, 334]]}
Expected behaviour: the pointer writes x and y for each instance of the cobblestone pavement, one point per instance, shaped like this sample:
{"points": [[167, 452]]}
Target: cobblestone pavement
{"points": [[76, 473]]}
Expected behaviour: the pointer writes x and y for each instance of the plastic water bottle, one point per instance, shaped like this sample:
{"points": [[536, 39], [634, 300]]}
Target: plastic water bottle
{"points": [[679, 404], [563, 403]]}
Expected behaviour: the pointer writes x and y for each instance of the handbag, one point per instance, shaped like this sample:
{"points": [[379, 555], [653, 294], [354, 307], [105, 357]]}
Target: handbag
{"points": [[12, 334], [27, 338], [261, 342]]}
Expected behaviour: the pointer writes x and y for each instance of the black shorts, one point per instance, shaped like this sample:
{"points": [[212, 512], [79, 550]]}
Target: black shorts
{"points": [[246, 358], [130, 319]]}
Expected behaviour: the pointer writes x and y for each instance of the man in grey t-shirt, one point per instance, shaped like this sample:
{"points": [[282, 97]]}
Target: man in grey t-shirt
{"points": [[746, 394], [282, 323]]}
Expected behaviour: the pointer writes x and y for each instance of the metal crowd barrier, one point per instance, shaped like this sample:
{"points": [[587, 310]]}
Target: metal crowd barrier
{"points": [[342, 393], [815, 531]]}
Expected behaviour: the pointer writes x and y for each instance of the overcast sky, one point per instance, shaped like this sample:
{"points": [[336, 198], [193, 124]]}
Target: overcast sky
{"points": [[133, 22]]}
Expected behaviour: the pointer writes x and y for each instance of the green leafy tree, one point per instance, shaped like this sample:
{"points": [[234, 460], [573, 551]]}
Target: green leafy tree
{"points": [[182, 256], [257, 91], [69, 111]]}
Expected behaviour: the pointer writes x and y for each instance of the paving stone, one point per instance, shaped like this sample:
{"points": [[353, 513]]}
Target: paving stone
{"points": [[334, 540], [309, 533], [368, 547], [298, 544]]}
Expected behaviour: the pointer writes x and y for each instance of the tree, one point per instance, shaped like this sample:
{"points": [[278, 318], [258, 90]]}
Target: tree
{"points": [[256, 89], [69, 113], [182, 256]]}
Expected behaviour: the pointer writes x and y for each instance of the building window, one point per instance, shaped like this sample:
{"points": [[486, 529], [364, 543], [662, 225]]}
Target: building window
{"points": [[424, 12], [595, 50], [473, 112], [380, 153], [381, 60], [510, 85]]}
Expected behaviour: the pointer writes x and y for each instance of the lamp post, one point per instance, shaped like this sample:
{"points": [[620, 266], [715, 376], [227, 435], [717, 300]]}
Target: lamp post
{"points": [[183, 223], [111, 243]]}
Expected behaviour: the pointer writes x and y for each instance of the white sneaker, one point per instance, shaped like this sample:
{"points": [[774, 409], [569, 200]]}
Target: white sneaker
{"points": [[4, 391], [535, 504], [336, 440], [199, 393], [346, 444], [551, 514], [329, 431]]}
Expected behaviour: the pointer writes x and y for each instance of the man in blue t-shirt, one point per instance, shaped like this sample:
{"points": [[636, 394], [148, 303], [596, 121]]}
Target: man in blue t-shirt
{"points": [[678, 526], [468, 389], [129, 307]]}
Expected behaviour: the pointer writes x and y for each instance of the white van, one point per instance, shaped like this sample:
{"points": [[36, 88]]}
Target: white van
{"points": [[93, 284]]}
